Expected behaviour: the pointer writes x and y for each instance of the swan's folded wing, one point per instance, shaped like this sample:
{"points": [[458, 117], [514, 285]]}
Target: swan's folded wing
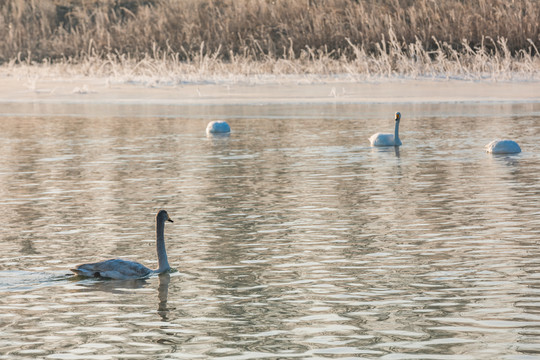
{"points": [[380, 139], [503, 147], [114, 269]]}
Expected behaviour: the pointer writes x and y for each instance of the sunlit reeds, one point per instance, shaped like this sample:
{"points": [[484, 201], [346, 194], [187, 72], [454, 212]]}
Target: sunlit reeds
{"points": [[226, 38]]}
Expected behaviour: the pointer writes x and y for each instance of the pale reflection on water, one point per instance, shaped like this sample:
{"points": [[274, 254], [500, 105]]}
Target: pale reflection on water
{"points": [[292, 237]]}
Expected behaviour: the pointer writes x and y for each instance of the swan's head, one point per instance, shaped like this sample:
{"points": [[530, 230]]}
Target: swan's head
{"points": [[162, 216], [398, 116]]}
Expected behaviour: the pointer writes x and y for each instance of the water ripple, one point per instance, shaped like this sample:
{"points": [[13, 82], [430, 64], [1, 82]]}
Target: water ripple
{"points": [[292, 239]]}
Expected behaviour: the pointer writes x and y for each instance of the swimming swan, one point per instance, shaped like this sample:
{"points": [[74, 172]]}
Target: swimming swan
{"points": [[503, 147], [380, 139], [124, 269], [218, 127]]}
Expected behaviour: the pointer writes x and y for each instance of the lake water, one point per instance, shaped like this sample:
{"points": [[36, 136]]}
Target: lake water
{"points": [[293, 238]]}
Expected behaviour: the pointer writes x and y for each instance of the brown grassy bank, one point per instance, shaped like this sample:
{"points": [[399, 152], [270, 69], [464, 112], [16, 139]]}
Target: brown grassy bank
{"points": [[398, 34]]}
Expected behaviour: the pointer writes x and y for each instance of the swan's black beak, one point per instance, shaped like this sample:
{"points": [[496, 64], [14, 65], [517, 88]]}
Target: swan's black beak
{"points": [[169, 219]]}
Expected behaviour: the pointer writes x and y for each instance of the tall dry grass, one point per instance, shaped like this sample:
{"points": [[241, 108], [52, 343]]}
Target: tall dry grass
{"points": [[413, 37]]}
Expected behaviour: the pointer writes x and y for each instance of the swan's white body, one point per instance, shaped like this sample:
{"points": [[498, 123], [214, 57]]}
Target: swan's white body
{"points": [[218, 127], [380, 139], [503, 147], [125, 269]]}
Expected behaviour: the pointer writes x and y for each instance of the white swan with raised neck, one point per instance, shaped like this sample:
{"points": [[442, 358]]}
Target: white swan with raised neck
{"points": [[382, 139]]}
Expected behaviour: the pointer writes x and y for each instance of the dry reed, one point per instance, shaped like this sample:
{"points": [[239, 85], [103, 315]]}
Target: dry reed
{"points": [[467, 38]]}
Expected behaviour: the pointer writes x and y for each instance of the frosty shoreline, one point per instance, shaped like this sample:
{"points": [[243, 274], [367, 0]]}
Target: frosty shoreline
{"points": [[16, 91], [280, 91]]}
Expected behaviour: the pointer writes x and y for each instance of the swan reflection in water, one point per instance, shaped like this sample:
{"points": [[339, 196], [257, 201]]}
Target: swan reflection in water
{"points": [[125, 286], [386, 149], [108, 285], [163, 293]]}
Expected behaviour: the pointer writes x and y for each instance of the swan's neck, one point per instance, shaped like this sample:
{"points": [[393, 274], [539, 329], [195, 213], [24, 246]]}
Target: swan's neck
{"points": [[396, 133], [160, 247]]}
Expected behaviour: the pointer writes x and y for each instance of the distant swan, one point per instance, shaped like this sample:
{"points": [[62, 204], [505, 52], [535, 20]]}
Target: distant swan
{"points": [[218, 127], [503, 147], [380, 139], [124, 269]]}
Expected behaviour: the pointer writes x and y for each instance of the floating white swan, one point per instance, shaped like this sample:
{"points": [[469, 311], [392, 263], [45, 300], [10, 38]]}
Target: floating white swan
{"points": [[503, 147], [380, 139], [218, 127], [124, 269]]}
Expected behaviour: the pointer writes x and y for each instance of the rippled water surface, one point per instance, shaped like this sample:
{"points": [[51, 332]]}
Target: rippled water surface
{"points": [[292, 237]]}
